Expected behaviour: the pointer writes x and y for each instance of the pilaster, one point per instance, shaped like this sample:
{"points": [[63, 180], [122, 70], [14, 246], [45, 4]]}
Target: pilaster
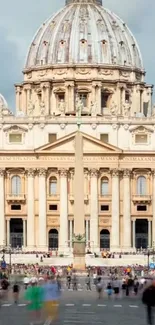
{"points": [[94, 240], [63, 233], [115, 230], [2, 206], [126, 210], [42, 210]]}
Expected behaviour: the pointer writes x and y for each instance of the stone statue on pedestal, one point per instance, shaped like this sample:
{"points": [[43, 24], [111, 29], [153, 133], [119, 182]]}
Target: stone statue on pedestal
{"points": [[93, 109], [113, 109], [61, 107], [42, 108], [126, 108], [31, 107], [153, 111], [79, 106]]}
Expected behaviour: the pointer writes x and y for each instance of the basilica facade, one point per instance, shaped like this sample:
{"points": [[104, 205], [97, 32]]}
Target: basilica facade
{"points": [[78, 155]]}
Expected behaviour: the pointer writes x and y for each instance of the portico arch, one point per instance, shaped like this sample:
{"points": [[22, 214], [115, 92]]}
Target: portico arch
{"points": [[141, 233], [104, 239], [53, 239]]}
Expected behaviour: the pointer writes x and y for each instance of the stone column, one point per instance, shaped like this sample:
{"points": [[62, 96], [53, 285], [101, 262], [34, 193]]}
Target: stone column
{"points": [[149, 234], [126, 211], [153, 205], [63, 233], [30, 209], [71, 182], [28, 97], [48, 90], [2, 209], [138, 97], [87, 233], [115, 223], [149, 112], [134, 233], [18, 92], [42, 210], [71, 232], [24, 233], [94, 211], [24, 101], [99, 87], [8, 233]]}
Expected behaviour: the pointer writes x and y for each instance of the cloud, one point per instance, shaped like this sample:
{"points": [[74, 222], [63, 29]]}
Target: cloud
{"points": [[19, 22]]}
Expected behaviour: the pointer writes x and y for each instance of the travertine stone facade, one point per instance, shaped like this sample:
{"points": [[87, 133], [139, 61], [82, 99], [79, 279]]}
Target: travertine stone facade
{"points": [[78, 155]]}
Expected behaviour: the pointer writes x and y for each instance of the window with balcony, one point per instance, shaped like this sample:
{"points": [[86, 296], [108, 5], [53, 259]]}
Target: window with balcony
{"points": [[16, 186], [141, 185], [104, 186], [53, 186]]}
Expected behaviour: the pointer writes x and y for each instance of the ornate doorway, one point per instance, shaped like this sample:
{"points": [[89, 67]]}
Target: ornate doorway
{"points": [[141, 233], [16, 233], [104, 239], [53, 239]]}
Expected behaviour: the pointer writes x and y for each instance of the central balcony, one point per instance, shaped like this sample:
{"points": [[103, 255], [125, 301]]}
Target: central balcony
{"points": [[12, 198], [142, 199]]}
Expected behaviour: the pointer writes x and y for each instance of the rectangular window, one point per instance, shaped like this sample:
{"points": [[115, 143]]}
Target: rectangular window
{"points": [[15, 138], [16, 207], [53, 207], [104, 137], [83, 97], [141, 138], [141, 208], [104, 100], [61, 97], [52, 137], [104, 207]]}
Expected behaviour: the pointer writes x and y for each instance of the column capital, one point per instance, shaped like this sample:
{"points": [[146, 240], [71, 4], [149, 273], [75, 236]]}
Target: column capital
{"points": [[115, 172], [94, 172], [42, 172], [2, 172], [45, 85], [30, 172], [126, 172], [63, 172], [153, 172]]}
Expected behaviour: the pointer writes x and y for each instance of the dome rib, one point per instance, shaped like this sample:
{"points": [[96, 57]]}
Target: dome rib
{"points": [[84, 33]]}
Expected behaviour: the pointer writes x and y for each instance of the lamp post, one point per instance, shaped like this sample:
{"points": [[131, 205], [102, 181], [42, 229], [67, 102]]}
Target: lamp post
{"points": [[148, 259]]}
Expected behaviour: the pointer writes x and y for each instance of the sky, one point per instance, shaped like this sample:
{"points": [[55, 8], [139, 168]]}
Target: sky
{"points": [[20, 19]]}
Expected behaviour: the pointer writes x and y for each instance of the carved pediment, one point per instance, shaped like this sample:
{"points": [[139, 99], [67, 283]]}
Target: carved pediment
{"points": [[91, 145], [15, 128], [141, 129]]}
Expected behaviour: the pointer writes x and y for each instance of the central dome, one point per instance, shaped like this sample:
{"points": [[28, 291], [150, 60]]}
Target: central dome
{"points": [[84, 32]]}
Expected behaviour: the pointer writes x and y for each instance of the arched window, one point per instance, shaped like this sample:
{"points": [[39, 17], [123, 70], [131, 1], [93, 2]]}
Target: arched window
{"points": [[104, 186], [53, 186], [16, 185], [141, 185]]}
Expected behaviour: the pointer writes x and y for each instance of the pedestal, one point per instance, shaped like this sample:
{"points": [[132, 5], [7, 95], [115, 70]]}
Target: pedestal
{"points": [[79, 255]]}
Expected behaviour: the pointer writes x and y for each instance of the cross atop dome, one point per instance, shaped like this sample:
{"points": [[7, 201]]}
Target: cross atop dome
{"points": [[98, 2]]}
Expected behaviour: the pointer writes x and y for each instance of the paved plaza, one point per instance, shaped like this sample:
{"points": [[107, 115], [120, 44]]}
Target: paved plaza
{"points": [[81, 307], [77, 308]]}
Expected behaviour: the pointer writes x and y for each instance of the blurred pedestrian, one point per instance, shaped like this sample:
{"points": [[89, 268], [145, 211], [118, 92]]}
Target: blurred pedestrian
{"points": [[34, 298], [88, 282], [16, 292], [51, 295], [149, 300]]}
